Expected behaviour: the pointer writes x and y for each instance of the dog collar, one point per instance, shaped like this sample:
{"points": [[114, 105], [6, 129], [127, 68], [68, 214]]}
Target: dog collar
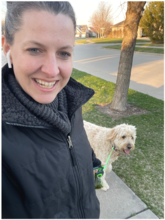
{"points": [[113, 146], [116, 149]]}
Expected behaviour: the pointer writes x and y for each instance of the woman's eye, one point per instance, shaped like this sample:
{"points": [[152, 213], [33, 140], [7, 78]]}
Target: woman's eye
{"points": [[34, 50], [64, 55]]}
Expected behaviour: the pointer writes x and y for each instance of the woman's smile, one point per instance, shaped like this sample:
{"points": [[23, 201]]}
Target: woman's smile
{"points": [[45, 86]]}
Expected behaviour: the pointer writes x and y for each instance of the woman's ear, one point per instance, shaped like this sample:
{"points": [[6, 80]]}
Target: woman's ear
{"points": [[5, 45], [6, 50]]}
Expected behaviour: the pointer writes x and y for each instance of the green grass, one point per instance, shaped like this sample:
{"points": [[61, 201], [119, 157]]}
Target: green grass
{"points": [[107, 40], [142, 170], [152, 45], [139, 49], [81, 41]]}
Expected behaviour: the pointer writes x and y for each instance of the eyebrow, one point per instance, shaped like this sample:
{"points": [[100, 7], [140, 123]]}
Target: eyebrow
{"points": [[42, 45], [67, 47], [34, 42]]}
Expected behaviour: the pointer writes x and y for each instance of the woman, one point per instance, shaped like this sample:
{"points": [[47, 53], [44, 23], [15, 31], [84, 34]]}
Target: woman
{"points": [[47, 159]]}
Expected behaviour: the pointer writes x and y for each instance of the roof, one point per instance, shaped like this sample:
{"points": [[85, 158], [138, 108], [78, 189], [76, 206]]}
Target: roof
{"points": [[78, 29], [119, 24], [82, 28]]}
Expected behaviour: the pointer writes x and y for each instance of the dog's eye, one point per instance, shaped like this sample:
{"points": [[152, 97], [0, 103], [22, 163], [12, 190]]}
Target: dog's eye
{"points": [[132, 138], [123, 137]]}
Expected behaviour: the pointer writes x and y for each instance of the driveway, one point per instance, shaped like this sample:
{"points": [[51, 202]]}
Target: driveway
{"points": [[147, 74]]}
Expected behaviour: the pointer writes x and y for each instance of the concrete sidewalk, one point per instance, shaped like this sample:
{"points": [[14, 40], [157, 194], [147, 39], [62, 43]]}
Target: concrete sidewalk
{"points": [[120, 202]]}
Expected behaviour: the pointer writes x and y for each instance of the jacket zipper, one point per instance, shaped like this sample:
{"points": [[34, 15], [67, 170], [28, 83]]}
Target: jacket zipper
{"points": [[74, 162], [71, 151]]}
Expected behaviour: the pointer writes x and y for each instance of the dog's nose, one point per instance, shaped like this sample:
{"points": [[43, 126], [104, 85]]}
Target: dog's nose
{"points": [[129, 146]]}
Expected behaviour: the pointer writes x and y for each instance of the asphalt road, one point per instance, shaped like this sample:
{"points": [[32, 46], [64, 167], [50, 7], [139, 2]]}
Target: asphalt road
{"points": [[147, 75]]}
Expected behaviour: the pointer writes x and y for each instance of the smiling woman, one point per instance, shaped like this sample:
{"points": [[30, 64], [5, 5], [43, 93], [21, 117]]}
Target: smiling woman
{"points": [[42, 117]]}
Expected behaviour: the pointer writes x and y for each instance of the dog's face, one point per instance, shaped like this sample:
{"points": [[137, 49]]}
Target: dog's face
{"points": [[123, 137]]}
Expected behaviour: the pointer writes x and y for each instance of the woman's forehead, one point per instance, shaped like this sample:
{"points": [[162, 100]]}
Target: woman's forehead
{"points": [[45, 27], [35, 17]]}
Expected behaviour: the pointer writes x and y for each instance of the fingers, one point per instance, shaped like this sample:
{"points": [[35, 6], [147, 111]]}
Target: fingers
{"points": [[103, 163], [95, 171]]}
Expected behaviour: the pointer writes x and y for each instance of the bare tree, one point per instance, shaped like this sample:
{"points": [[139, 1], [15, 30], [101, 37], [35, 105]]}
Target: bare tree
{"points": [[102, 18], [133, 15]]}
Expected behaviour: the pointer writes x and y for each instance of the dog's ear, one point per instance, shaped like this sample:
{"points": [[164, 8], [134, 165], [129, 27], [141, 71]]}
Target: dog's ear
{"points": [[112, 135]]}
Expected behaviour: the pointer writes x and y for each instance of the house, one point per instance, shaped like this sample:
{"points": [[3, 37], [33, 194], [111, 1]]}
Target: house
{"points": [[118, 31], [82, 31], [92, 32]]}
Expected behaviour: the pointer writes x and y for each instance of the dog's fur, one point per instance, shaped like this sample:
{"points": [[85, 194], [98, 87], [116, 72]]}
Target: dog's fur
{"points": [[102, 139]]}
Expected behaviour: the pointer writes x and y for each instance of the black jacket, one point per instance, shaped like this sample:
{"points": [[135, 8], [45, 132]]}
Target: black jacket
{"points": [[46, 174]]}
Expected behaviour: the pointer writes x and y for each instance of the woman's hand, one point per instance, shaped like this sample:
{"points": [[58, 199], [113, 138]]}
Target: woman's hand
{"points": [[103, 164]]}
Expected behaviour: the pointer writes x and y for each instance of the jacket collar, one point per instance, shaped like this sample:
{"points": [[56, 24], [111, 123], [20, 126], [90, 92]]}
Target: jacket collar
{"points": [[13, 111]]}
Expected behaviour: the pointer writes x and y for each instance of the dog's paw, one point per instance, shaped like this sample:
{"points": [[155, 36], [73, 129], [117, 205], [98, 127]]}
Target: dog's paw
{"points": [[105, 188]]}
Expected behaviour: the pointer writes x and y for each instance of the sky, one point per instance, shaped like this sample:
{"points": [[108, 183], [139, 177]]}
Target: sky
{"points": [[84, 10]]}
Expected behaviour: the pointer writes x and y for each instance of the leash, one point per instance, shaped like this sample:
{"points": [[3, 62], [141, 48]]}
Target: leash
{"points": [[102, 168], [113, 147]]}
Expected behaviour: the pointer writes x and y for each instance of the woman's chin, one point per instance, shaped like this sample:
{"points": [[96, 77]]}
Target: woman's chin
{"points": [[44, 100]]}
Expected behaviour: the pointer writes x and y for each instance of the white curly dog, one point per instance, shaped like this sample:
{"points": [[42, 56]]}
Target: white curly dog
{"points": [[121, 137]]}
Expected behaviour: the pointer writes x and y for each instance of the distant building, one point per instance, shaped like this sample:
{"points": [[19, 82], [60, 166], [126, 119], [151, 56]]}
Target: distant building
{"points": [[92, 33], [82, 31], [118, 30]]}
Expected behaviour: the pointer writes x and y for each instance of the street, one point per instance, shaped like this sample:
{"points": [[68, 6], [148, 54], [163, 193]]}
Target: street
{"points": [[147, 74]]}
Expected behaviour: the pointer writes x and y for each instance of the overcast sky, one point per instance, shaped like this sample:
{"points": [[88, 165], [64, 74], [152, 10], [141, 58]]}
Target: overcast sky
{"points": [[84, 10]]}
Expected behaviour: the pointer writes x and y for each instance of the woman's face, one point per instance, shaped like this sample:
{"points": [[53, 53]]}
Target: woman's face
{"points": [[42, 54]]}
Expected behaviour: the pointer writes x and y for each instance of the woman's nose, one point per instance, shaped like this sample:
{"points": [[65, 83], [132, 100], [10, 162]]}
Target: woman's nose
{"points": [[50, 66]]}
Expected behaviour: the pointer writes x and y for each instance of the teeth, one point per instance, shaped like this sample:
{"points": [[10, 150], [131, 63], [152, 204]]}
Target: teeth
{"points": [[45, 84]]}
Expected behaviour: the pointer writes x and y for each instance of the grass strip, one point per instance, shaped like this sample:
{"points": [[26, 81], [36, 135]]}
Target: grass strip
{"points": [[113, 40], [152, 45], [143, 169], [107, 40], [139, 49], [82, 41]]}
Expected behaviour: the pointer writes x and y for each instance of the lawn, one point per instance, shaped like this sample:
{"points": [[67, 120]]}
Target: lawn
{"points": [[152, 45], [139, 49], [84, 41], [143, 169], [106, 40]]}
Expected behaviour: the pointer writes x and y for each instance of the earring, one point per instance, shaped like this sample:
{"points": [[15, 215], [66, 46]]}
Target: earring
{"points": [[8, 59]]}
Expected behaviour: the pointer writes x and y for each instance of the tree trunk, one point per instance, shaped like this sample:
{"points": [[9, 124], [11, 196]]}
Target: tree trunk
{"points": [[133, 15]]}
